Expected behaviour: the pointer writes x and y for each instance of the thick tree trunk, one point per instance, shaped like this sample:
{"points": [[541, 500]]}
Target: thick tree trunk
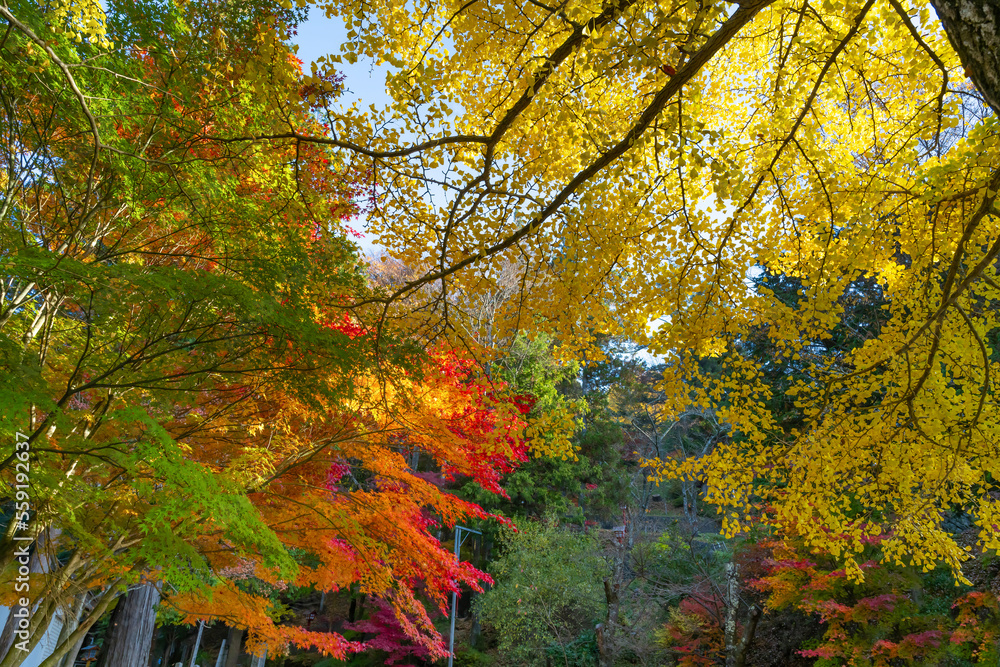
{"points": [[130, 635], [357, 609], [235, 643], [475, 632], [732, 606], [736, 649], [740, 659], [606, 631], [973, 28], [352, 610]]}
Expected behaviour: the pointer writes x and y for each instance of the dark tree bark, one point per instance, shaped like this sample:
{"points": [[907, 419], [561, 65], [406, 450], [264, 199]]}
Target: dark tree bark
{"points": [[171, 642], [357, 609], [606, 648], [130, 635], [352, 610], [740, 654], [234, 644], [973, 28], [732, 607]]}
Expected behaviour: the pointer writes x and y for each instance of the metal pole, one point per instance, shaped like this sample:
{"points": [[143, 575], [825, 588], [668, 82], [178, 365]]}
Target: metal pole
{"points": [[197, 643], [454, 600], [454, 594], [451, 636]]}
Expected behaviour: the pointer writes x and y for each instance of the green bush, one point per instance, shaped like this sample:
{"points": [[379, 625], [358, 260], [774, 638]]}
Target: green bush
{"points": [[548, 593], [472, 658]]}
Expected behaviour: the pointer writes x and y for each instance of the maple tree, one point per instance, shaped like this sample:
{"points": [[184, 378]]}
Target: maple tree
{"points": [[636, 159], [694, 632], [340, 490], [175, 344], [388, 636], [889, 619]]}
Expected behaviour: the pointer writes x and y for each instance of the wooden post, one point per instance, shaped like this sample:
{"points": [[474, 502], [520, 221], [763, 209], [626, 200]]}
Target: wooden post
{"points": [[197, 644], [222, 654]]}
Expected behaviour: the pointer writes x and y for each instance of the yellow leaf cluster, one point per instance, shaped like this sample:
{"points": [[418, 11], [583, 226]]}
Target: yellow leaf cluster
{"points": [[83, 19], [638, 160]]}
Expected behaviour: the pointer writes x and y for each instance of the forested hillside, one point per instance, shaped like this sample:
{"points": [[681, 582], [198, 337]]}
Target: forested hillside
{"points": [[678, 344]]}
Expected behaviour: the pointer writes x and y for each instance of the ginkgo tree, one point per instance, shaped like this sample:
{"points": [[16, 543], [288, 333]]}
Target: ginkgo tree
{"points": [[636, 159]]}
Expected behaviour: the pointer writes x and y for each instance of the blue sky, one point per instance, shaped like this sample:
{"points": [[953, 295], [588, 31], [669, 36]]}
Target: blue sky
{"points": [[365, 83], [320, 36]]}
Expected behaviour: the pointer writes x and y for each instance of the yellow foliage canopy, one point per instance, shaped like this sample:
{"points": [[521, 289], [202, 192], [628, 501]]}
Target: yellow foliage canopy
{"points": [[636, 159]]}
